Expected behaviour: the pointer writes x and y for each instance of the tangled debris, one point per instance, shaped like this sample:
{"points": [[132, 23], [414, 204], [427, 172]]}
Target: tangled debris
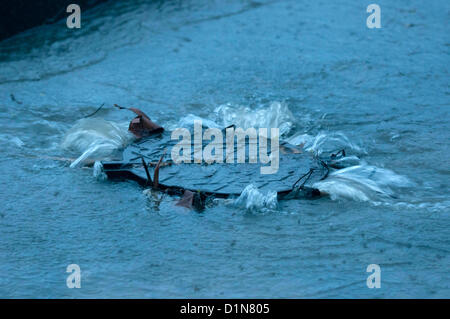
{"points": [[142, 126], [198, 184]]}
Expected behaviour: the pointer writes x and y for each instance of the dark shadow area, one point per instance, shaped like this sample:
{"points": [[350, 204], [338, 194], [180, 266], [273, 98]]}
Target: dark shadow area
{"points": [[20, 15]]}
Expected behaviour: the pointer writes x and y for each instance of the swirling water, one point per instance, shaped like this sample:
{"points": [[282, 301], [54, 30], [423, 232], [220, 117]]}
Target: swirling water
{"points": [[311, 68]]}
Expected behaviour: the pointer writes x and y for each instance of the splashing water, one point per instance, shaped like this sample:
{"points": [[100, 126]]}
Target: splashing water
{"points": [[96, 139], [362, 183], [330, 142], [300, 139], [188, 122], [275, 115], [357, 181], [98, 172], [253, 200]]}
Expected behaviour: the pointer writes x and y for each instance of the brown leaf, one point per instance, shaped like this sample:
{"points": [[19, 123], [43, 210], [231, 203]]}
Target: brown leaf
{"points": [[141, 125], [156, 173]]}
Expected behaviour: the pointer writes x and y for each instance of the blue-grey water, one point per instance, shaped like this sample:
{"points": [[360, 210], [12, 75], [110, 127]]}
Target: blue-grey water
{"points": [[311, 67]]}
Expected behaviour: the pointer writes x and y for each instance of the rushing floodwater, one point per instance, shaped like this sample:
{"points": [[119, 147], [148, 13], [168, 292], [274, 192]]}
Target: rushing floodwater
{"points": [[311, 68]]}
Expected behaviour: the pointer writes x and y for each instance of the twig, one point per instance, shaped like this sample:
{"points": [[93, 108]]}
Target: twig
{"points": [[13, 98], [156, 173], [101, 106], [149, 179], [121, 107]]}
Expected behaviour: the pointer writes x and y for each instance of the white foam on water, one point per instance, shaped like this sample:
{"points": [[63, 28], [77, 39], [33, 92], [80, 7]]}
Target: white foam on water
{"points": [[276, 115], [347, 161], [436, 207], [362, 183], [188, 122], [98, 172], [358, 181], [255, 201], [96, 139], [327, 142], [300, 139]]}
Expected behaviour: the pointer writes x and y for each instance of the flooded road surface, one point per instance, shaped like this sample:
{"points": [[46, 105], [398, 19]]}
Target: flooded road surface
{"points": [[313, 69]]}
